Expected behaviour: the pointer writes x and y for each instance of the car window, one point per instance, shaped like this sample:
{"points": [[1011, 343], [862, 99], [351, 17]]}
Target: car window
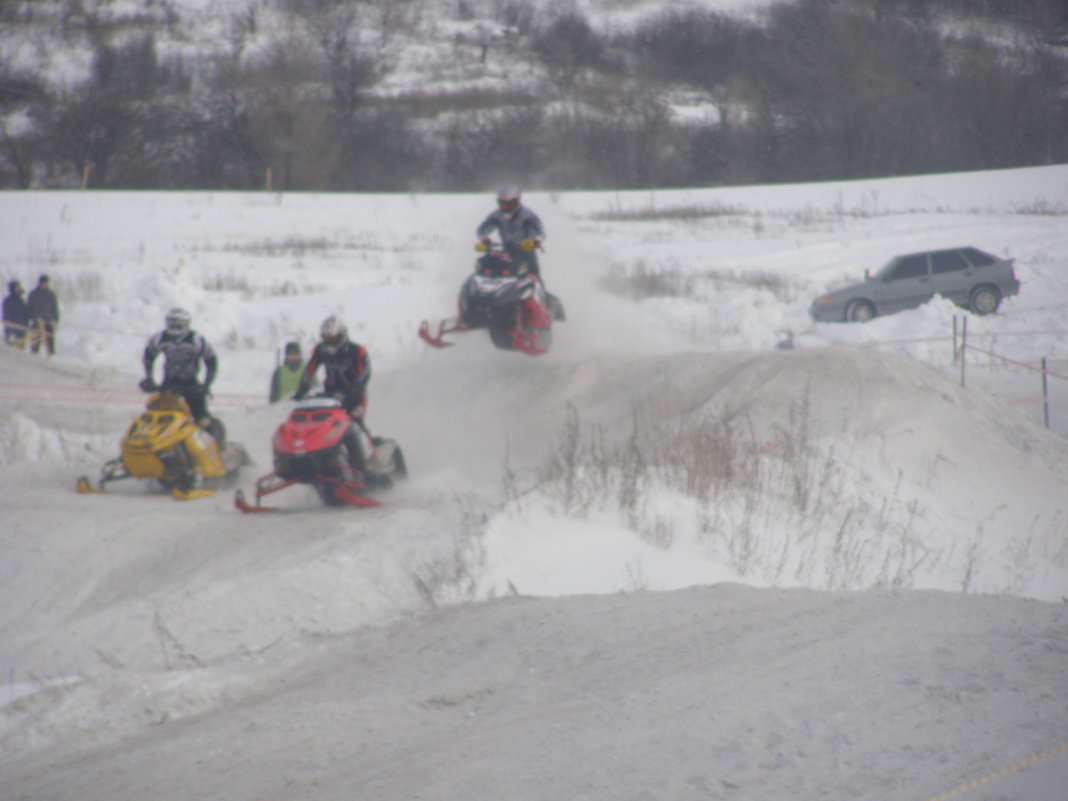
{"points": [[909, 267], [978, 257], [948, 261]]}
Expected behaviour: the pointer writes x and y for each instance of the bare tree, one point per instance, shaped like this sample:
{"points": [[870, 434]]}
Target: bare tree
{"points": [[567, 47]]}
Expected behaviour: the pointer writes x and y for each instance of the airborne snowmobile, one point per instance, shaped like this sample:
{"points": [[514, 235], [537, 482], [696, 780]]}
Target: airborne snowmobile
{"points": [[506, 299], [312, 447], [166, 444]]}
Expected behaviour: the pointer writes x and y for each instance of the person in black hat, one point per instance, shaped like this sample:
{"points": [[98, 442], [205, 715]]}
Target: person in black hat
{"points": [[44, 315], [16, 316], [286, 377]]}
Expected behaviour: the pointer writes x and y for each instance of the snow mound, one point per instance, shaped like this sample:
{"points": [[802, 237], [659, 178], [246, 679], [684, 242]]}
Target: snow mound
{"points": [[827, 468], [23, 440]]}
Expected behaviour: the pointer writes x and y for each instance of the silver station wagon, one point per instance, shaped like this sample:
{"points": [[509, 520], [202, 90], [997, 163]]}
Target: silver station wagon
{"points": [[969, 277]]}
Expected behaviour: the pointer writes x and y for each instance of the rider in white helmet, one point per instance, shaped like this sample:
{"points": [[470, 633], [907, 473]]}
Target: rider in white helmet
{"points": [[348, 370], [519, 228], [521, 233], [183, 352]]}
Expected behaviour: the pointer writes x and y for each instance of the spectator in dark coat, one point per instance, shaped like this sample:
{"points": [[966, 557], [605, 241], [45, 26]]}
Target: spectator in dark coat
{"points": [[44, 315], [16, 315]]}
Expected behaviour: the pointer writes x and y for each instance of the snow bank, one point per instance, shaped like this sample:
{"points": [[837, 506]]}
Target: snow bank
{"points": [[23, 440], [836, 470]]}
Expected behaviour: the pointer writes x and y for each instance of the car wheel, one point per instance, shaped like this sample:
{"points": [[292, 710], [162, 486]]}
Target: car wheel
{"points": [[859, 311], [984, 300]]}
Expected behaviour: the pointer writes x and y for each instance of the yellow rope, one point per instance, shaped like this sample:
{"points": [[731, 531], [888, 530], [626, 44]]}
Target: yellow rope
{"points": [[1023, 763]]}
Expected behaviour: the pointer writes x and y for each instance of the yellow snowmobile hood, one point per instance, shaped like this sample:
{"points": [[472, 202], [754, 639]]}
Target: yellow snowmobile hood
{"points": [[165, 424]]}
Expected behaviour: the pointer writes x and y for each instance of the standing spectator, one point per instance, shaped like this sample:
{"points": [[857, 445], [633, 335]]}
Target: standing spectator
{"points": [[16, 316], [286, 377], [44, 315]]}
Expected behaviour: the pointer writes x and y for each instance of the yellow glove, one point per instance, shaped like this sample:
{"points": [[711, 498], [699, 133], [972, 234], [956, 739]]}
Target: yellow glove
{"points": [[480, 246], [528, 245]]}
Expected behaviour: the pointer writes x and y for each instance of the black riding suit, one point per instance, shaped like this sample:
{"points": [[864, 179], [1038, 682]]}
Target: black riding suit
{"points": [[348, 370]]}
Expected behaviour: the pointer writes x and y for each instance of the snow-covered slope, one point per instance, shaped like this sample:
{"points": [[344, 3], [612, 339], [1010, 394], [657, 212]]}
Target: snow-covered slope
{"points": [[709, 693]]}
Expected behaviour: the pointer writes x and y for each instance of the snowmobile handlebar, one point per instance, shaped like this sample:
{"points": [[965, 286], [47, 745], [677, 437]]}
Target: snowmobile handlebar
{"points": [[487, 245], [357, 403], [149, 386]]}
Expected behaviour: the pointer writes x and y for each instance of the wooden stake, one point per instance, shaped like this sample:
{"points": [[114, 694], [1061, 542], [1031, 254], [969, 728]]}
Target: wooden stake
{"points": [[963, 349], [1045, 392]]}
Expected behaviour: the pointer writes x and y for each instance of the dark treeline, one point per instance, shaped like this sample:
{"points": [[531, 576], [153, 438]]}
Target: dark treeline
{"points": [[817, 90]]}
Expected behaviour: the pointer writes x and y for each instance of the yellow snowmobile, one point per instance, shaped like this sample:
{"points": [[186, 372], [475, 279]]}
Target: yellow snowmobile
{"points": [[165, 443]]}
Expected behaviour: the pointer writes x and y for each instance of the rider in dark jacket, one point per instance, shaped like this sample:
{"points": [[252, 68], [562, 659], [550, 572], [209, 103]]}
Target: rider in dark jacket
{"points": [[348, 370]]}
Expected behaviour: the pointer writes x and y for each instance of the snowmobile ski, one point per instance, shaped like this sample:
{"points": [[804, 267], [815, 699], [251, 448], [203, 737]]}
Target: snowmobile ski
{"points": [[191, 494], [244, 506], [340, 493], [445, 327], [85, 487]]}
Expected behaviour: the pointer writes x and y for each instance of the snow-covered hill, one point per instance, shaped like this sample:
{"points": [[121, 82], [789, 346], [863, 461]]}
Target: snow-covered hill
{"points": [[903, 537], [56, 39]]}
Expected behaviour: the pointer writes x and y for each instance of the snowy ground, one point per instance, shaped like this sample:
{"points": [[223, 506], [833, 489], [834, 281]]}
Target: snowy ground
{"points": [[875, 591]]}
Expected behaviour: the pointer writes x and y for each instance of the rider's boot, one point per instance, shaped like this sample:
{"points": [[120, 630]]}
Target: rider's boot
{"points": [[214, 426], [362, 450], [353, 450], [556, 308]]}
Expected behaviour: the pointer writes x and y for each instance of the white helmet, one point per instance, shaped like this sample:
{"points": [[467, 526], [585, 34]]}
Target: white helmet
{"points": [[178, 321], [508, 199], [334, 333]]}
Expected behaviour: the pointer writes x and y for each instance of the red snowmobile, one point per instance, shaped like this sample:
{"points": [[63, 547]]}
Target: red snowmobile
{"points": [[506, 299], [312, 447]]}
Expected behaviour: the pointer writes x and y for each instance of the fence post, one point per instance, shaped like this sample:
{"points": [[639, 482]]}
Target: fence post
{"points": [[1045, 392], [955, 354], [963, 349]]}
